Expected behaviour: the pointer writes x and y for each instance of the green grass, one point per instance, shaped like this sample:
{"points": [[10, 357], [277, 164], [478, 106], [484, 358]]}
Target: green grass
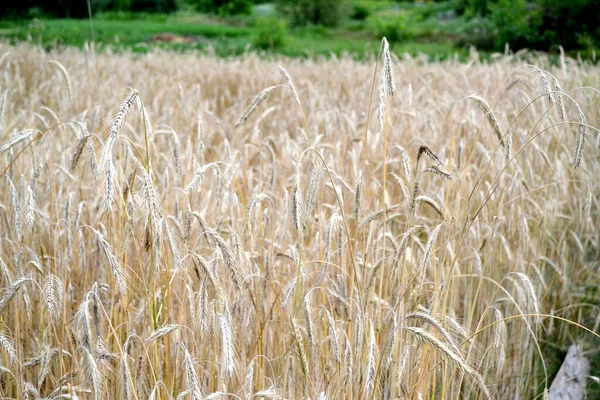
{"points": [[426, 32], [76, 32]]}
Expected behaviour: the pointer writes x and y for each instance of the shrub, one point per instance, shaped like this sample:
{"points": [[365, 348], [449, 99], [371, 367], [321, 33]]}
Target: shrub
{"points": [[360, 11], [512, 23], [395, 29], [476, 7], [269, 34], [478, 32]]}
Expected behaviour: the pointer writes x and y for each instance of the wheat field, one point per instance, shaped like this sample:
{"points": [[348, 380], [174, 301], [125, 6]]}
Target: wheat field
{"points": [[180, 226]]}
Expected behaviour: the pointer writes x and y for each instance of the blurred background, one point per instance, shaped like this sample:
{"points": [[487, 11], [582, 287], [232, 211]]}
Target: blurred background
{"points": [[438, 29]]}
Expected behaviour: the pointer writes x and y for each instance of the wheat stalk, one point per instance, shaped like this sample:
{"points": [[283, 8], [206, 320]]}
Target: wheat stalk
{"points": [[161, 332], [300, 349], [370, 371], [190, 374], [65, 75], [288, 79], [229, 259], [9, 347], [427, 254], [260, 97], [493, 121], [11, 291], [388, 69], [17, 138], [226, 343], [113, 261], [448, 354], [314, 183], [92, 372], [297, 206], [581, 138]]}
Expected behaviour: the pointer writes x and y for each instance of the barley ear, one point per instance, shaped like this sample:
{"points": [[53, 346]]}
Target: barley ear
{"points": [[388, 68], [262, 96], [290, 83], [581, 138], [65, 75]]}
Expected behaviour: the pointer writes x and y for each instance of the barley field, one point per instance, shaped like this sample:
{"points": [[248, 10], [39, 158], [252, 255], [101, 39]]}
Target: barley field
{"points": [[182, 226]]}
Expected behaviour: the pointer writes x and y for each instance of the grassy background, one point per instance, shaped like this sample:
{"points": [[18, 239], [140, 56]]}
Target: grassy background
{"points": [[430, 29]]}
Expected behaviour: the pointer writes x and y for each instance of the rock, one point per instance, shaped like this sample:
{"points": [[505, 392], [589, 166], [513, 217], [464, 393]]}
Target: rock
{"points": [[570, 382]]}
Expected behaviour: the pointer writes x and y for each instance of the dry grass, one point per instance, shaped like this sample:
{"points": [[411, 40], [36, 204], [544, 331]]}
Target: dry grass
{"points": [[311, 243]]}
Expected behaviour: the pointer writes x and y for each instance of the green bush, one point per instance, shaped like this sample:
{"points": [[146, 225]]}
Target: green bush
{"points": [[269, 33], [512, 23], [394, 29], [360, 11], [478, 32], [316, 12], [476, 7]]}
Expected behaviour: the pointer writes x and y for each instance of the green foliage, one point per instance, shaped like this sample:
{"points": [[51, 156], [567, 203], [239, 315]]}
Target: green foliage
{"points": [[223, 7], [269, 33], [134, 30], [475, 7], [121, 5], [157, 6], [118, 15], [512, 23], [539, 24], [571, 23], [360, 11], [55, 8], [394, 29], [478, 32], [317, 12], [79, 8]]}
